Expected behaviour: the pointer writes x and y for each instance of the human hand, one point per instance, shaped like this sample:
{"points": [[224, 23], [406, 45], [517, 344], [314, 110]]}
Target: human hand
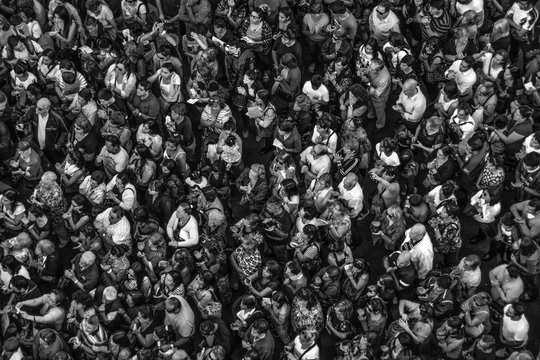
{"points": [[69, 274], [404, 325]]}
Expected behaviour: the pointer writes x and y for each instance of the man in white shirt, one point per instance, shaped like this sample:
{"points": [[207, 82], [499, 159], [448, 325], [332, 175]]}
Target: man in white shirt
{"points": [[461, 122], [411, 104], [514, 328], [317, 92], [382, 22], [114, 228], [418, 243], [112, 157], [462, 72], [314, 161], [352, 195]]}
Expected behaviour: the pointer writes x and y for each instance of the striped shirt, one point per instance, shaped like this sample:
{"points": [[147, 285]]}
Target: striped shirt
{"points": [[440, 26]]}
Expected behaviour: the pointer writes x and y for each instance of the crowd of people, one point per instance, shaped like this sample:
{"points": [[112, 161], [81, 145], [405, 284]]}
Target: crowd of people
{"points": [[258, 180]]}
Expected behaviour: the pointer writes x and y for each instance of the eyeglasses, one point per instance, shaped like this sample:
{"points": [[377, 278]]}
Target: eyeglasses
{"points": [[254, 17], [381, 12], [41, 109], [119, 68]]}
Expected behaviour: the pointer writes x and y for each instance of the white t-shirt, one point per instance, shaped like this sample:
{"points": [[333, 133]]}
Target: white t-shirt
{"points": [[391, 160], [320, 94], [464, 80], [476, 5], [527, 145], [167, 89], [118, 161], [23, 84], [311, 354], [524, 18], [514, 330]]}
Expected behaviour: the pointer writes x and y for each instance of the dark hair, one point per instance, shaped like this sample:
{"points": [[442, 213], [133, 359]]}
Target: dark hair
{"points": [[9, 262], [210, 193], [19, 282], [286, 126], [249, 301], [20, 67], [308, 294], [113, 139], [290, 187], [519, 309], [469, 60], [531, 159], [63, 14], [448, 188], [261, 325], [98, 176], [48, 335], [264, 95], [513, 271], [119, 250], [146, 312], [316, 81]]}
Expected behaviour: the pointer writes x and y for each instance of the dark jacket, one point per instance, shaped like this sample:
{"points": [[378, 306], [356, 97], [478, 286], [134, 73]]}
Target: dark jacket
{"points": [[55, 131]]}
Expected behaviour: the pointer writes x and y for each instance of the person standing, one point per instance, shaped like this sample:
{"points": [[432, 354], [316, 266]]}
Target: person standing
{"points": [[379, 84]]}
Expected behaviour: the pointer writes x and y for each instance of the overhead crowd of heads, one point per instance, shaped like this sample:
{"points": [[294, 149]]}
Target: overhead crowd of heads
{"points": [[269, 179]]}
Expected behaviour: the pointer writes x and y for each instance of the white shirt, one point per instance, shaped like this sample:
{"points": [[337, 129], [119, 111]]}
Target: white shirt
{"points": [[390, 160], [414, 106], [422, 254], [467, 126], [118, 161], [464, 80], [128, 195], [514, 330], [311, 354], [524, 18], [189, 233], [487, 61], [381, 29], [119, 232], [353, 198], [320, 94], [318, 166], [330, 142], [527, 148], [42, 126], [489, 212]]}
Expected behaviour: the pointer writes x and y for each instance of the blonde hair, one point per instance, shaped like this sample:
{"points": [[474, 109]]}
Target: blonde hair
{"points": [[396, 212]]}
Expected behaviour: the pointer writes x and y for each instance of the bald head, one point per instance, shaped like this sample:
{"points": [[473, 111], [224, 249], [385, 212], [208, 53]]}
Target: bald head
{"points": [[350, 181], [410, 87], [44, 103], [404, 259], [417, 233]]}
